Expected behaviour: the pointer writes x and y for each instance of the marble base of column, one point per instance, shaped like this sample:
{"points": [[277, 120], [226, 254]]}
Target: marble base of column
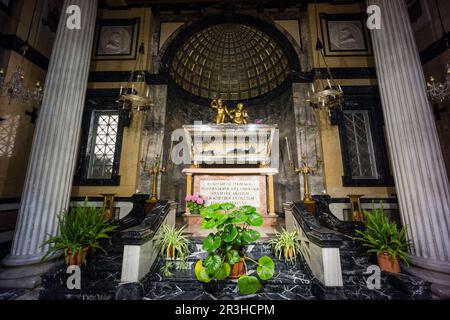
{"points": [[438, 273], [27, 277]]}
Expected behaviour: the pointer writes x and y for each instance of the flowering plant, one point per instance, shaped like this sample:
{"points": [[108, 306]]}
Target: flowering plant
{"points": [[195, 203]]}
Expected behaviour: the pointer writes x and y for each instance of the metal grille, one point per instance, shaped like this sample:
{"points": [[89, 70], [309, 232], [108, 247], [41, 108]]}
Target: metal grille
{"points": [[8, 132], [360, 146], [102, 144]]}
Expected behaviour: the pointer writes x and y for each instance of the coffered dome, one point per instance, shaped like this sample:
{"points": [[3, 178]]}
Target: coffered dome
{"points": [[230, 60]]}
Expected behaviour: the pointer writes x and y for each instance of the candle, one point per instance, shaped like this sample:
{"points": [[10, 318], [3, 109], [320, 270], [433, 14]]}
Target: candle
{"points": [[170, 151], [312, 87], [306, 146], [148, 92], [121, 89], [315, 148], [288, 148], [146, 152], [301, 145]]}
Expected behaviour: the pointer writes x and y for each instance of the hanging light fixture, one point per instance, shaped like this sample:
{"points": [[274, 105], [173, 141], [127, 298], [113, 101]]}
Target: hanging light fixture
{"points": [[130, 98], [15, 89], [440, 92], [325, 93]]}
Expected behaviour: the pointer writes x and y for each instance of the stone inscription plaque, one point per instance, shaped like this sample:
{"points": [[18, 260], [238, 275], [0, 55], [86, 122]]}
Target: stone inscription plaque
{"points": [[240, 190]]}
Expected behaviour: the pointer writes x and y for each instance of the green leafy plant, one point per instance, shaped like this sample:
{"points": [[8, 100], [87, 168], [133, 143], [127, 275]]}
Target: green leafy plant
{"points": [[226, 246], [172, 244], [82, 227], [383, 237], [286, 245]]}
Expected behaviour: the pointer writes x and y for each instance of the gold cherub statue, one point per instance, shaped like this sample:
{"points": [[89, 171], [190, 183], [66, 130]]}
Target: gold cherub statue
{"points": [[222, 110], [239, 115]]}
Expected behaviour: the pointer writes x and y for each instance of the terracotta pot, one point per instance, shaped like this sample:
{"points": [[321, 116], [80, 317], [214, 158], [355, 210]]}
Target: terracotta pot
{"points": [[237, 270], [170, 252], [77, 259], [388, 264], [290, 253]]}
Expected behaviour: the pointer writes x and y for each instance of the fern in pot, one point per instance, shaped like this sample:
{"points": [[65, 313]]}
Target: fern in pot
{"points": [[286, 245], [80, 231], [172, 244], [385, 240]]}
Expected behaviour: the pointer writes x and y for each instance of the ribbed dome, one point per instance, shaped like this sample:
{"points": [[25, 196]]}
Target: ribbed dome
{"points": [[231, 61]]}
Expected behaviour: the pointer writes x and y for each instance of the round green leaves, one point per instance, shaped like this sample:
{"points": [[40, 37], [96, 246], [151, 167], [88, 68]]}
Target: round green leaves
{"points": [[200, 273], [250, 236], [248, 285], [213, 264], [266, 268], [211, 243], [233, 257], [229, 233], [255, 220], [223, 272]]}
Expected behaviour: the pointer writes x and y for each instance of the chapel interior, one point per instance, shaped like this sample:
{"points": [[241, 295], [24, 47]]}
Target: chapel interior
{"points": [[106, 103]]}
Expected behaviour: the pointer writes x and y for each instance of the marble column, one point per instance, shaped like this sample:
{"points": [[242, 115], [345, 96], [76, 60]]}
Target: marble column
{"points": [[52, 160], [418, 165]]}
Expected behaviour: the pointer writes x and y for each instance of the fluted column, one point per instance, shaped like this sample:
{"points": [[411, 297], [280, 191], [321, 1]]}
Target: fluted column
{"points": [[51, 166], [418, 165]]}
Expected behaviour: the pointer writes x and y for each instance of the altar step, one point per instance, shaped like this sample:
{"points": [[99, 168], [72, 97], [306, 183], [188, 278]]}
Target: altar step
{"points": [[355, 263], [100, 277], [291, 282]]}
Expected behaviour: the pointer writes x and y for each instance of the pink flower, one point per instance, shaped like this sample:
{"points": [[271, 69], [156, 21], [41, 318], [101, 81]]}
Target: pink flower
{"points": [[200, 201], [189, 198], [194, 198]]}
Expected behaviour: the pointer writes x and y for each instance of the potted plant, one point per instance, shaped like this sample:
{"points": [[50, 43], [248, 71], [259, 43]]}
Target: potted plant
{"points": [[286, 245], [80, 230], [385, 240], [226, 247], [172, 244], [195, 203]]}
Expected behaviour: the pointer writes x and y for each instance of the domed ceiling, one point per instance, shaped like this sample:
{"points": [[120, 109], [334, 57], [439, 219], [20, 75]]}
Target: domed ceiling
{"points": [[231, 61]]}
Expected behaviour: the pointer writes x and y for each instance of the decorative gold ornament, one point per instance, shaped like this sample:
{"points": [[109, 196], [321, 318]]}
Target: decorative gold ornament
{"points": [[221, 109], [239, 115]]}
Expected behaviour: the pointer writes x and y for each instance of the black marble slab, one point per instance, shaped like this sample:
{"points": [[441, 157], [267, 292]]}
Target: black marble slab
{"points": [[316, 233], [327, 219], [143, 232], [292, 281]]}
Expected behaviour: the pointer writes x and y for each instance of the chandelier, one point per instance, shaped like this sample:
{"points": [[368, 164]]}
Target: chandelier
{"points": [[130, 98], [439, 92], [325, 93], [15, 89]]}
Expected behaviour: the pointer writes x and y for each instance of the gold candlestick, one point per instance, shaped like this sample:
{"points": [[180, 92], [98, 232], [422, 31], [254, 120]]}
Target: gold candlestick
{"points": [[306, 171], [154, 171], [108, 205]]}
